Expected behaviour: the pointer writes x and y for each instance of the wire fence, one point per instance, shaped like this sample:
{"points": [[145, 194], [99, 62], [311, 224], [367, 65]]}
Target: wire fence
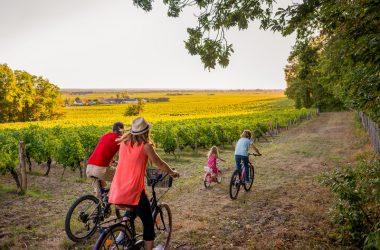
{"points": [[373, 131]]}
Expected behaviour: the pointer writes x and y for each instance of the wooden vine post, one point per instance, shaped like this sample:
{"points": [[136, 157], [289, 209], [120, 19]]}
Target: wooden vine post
{"points": [[21, 153]]}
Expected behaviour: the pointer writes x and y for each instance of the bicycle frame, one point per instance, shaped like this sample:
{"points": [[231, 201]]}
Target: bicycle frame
{"points": [[242, 175], [154, 205], [154, 202]]}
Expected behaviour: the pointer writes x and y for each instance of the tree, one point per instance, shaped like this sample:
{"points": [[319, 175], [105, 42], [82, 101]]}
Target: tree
{"points": [[135, 109], [24, 97], [7, 93], [208, 38], [48, 101], [303, 78], [349, 63]]}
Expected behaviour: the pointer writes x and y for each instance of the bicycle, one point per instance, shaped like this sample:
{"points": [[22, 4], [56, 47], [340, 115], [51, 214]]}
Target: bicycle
{"points": [[86, 213], [237, 178], [211, 177], [162, 218]]}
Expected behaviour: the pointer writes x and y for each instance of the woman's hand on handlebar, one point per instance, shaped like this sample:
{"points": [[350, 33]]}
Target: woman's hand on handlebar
{"points": [[174, 174]]}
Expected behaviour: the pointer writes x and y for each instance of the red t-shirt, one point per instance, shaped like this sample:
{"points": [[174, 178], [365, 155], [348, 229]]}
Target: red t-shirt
{"points": [[104, 151]]}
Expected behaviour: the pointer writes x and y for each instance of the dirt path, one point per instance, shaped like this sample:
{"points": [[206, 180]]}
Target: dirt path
{"points": [[287, 208]]}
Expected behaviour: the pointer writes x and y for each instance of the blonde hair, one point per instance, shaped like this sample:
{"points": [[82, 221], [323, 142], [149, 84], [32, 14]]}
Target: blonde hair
{"points": [[246, 134], [132, 139], [214, 150]]}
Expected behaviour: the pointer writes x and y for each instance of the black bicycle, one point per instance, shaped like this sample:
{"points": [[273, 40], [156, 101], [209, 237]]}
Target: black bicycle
{"points": [[238, 177], [86, 213], [161, 214]]}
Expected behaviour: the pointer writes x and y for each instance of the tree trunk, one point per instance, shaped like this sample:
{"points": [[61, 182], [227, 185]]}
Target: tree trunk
{"points": [[63, 172], [29, 162], [21, 152], [48, 165], [80, 170], [15, 177]]}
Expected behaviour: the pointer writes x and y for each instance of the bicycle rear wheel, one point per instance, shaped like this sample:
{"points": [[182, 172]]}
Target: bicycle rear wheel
{"points": [[235, 185], [219, 177], [109, 239], [207, 180], [82, 218], [251, 175], [163, 226]]}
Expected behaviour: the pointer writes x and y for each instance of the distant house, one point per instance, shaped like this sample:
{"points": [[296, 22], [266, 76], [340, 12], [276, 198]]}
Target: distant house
{"points": [[78, 102], [92, 102], [162, 99], [131, 100]]}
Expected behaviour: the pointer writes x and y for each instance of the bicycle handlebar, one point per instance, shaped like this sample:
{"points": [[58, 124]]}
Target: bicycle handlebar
{"points": [[254, 154], [157, 178]]}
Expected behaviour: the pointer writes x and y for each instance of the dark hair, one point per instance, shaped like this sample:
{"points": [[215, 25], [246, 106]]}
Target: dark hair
{"points": [[117, 126]]}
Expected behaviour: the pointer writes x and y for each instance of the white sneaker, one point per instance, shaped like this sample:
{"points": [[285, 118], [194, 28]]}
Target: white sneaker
{"points": [[159, 247], [120, 237]]}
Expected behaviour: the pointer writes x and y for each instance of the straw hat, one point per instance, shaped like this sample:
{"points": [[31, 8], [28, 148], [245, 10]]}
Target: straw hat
{"points": [[139, 126]]}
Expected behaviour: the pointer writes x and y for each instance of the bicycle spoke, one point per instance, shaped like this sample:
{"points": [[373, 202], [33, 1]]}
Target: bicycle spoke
{"points": [[82, 218], [163, 228], [234, 184]]}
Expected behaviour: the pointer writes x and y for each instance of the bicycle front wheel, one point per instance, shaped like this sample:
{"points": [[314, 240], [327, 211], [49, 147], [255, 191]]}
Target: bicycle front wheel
{"points": [[251, 175], [163, 226], [82, 218], [235, 185]]}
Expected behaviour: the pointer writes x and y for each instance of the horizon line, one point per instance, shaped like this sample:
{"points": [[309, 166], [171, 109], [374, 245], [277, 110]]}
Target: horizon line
{"points": [[165, 89]]}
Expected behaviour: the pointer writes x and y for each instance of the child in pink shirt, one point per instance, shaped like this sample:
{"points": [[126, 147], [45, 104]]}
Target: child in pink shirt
{"points": [[213, 155]]}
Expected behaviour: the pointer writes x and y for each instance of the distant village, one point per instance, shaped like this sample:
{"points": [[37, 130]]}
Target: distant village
{"points": [[80, 102]]}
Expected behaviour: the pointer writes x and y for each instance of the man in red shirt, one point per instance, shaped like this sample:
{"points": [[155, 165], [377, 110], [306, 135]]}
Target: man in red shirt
{"points": [[98, 165]]}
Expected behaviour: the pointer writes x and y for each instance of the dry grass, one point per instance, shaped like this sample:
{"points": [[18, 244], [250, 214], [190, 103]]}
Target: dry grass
{"points": [[286, 209]]}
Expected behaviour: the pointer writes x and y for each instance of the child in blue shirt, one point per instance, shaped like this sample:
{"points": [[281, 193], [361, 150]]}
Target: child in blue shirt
{"points": [[241, 151]]}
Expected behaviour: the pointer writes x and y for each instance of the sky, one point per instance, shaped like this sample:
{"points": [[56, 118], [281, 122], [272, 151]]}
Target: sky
{"points": [[113, 44]]}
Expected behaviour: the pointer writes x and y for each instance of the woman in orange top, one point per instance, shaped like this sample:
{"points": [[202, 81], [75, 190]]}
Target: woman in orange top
{"points": [[128, 187]]}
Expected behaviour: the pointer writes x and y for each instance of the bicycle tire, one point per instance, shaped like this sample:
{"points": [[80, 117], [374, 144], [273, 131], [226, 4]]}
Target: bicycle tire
{"points": [[207, 180], [219, 177], [107, 239], [248, 186], [83, 218], [235, 185], [163, 226]]}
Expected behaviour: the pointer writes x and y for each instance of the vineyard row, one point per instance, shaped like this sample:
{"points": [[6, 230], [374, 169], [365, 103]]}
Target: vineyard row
{"points": [[70, 147]]}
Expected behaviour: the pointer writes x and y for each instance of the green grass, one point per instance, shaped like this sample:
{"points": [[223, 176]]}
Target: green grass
{"points": [[37, 193], [4, 188], [30, 192]]}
